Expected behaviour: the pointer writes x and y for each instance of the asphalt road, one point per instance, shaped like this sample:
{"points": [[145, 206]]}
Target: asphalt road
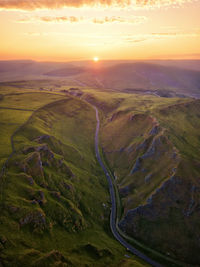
{"points": [[113, 203]]}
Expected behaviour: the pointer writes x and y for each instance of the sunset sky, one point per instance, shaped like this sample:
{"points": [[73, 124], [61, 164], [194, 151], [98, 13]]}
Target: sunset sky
{"points": [[109, 29]]}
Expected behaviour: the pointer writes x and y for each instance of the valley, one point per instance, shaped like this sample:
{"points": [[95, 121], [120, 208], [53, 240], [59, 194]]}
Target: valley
{"points": [[55, 196]]}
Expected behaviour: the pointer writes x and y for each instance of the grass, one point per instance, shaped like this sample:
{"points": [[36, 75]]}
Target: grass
{"points": [[71, 191], [10, 122], [125, 136], [159, 257], [68, 192], [15, 111]]}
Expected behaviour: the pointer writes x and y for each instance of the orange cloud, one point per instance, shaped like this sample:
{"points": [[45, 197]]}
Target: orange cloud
{"points": [[59, 19], [54, 4], [133, 20], [70, 19], [73, 19]]}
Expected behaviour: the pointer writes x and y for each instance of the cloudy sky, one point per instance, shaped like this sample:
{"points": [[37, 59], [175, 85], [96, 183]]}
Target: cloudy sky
{"points": [[110, 29]]}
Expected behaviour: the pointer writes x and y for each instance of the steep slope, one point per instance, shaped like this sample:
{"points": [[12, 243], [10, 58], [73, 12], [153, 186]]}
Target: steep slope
{"points": [[154, 156], [54, 196]]}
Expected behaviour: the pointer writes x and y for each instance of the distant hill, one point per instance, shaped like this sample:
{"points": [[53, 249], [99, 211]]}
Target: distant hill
{"points": [[68, 71], [27, 69], [165, 78], [145, 76]]}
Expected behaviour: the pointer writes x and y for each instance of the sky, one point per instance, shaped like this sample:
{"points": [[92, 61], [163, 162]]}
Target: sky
{"points": [[65, 30]]}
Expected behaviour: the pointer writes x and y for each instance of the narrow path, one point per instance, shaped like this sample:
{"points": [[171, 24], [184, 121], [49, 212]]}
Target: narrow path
{"points": [[113, 203]]}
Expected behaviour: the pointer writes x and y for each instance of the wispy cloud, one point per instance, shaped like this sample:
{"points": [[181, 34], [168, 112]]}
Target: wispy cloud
{"points": [[132, 20], [75, 19], [159, 35], [117, 39], [55, 4], [70, 19]]}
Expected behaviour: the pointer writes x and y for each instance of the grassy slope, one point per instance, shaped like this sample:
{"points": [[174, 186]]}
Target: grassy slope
{"points": [[67, 193], [129, 132], [15, 110]]}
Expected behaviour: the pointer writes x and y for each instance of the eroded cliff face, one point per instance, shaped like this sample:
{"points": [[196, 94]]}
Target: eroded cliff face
{"points": [[157, 171]]}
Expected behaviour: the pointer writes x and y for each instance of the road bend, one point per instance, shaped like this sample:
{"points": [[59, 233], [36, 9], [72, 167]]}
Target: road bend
{"points": [[113, 203]]}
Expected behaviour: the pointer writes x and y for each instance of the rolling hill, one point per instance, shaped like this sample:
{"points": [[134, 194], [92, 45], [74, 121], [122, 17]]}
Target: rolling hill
{"points": [[157, 77], [54, 196], [55, 202]]}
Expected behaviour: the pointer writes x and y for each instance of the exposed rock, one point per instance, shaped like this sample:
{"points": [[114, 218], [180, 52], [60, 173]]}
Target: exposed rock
{"points": [[153, 148], [42, 138], [154, 130], [194, 202], [32, 165], [148, 178], [45, 152], [28, 150], [137, 165], [30, 180], [174, 195], [36, 219], [143, 145], [68, 186], [61, 165], [41, 199]]}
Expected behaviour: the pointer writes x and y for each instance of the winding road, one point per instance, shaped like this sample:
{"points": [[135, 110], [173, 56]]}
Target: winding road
{"points": [[113, 202]]}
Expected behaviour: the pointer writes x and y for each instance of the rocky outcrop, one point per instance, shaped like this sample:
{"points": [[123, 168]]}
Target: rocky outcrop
{"points": [[152, 150], [48, 193], [176, 201], [158, 176], [36, 220], [39, 157], [32, 165], [137, 165]]}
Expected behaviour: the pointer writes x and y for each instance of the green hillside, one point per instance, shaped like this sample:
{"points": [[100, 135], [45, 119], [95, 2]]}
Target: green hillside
{"points": [[151, 147], [54, 197]]}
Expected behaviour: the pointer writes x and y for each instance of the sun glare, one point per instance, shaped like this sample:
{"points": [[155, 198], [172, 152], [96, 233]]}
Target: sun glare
{"points": [[95, 59]]}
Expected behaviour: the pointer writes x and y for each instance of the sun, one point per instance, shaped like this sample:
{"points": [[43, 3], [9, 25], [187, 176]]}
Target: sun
{"points": [[95, 59]]}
